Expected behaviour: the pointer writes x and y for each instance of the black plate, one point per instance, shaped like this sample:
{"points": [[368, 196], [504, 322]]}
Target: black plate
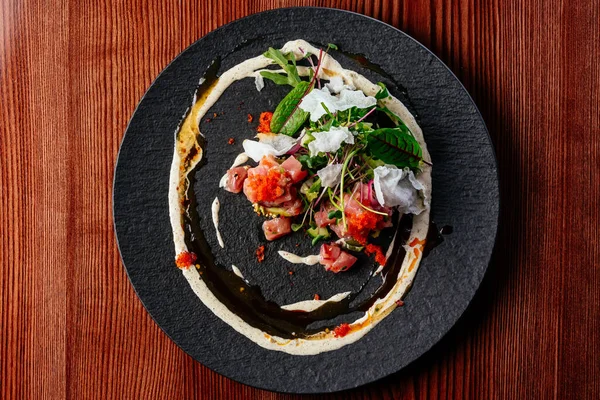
{"points": [[465, 196]]}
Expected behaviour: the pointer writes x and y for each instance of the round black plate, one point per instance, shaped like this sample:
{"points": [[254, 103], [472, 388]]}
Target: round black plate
{"points": [[465, 196]]}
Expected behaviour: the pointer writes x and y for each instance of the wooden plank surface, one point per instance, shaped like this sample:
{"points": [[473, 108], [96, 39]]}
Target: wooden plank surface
{"points": [[71, 74]]}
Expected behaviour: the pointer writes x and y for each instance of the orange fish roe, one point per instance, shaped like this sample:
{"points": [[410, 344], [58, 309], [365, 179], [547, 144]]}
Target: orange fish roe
{"points": [[251, 118], [266, 187], [361, 224], [416, 241], [379, 256], [399, 303], [317, 297], [264, 122], [185, 259], [231, 141], [260, 253], [341, 330]]}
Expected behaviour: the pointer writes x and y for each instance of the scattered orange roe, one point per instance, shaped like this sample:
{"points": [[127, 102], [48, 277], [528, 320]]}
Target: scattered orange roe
{"points": [[379, 256], [317, 297], [267, 187], [231, 141], [341, 330], [185, 259], [361, 224], [399, 303], [416, 241], [264, 122], [250, 118], [260, 253]]}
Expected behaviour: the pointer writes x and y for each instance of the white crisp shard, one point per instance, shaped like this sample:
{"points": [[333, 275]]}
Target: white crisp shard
{"points": [[336, 85], [259, 81], [399, 188], [355, 98], [268, 144], [314, 100], [330, 175], [278, 141], [331, 140]]}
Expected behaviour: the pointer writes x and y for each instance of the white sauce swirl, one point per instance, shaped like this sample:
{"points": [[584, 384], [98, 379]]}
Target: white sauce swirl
{"points": [[311, 305], [324, 340], [216, 206], [294, 259]]}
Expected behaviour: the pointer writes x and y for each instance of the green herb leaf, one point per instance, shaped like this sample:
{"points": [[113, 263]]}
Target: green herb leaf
{"points": [[395, 119], [277, 78], [288, 117], [395, 146], [315, 240], [332, 46], [296, 227], [383, 91], [316, 162], [337, 214], [284, 62], [315, 187]]}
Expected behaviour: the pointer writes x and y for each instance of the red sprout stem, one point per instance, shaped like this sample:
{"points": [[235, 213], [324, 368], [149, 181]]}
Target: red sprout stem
{"points": [[363, 117]]}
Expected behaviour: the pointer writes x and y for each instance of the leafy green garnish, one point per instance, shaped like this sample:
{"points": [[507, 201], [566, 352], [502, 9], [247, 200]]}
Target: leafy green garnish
{"points": [[383, 92], [315, 240], [288, 117], [395, 146], [395, 119], [287, 62], [296, 227], [332, 46], [337, 214], [277, 78], [314, 163]]}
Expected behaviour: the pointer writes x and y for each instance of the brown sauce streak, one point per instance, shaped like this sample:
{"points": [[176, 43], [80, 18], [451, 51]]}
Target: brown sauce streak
{"points": [[247, 301]]}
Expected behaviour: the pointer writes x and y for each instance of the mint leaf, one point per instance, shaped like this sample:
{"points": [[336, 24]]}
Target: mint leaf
{"points": [[288, 117]]}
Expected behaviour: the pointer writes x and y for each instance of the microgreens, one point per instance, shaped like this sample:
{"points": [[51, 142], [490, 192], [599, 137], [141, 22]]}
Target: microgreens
{"points": [[378, 137]]}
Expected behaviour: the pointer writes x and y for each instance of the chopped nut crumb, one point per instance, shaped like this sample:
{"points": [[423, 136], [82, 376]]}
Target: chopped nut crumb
{"points": [[399, 303]]}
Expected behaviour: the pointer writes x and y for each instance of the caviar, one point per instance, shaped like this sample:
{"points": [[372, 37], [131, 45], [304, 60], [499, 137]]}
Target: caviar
{"points": [[267, 187], [185, 259], [361, 224], [376, 250], [341, 330], [264, 122]]}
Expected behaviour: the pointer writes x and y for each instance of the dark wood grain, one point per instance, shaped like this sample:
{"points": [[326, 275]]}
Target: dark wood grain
{"points": [[71, 74]]}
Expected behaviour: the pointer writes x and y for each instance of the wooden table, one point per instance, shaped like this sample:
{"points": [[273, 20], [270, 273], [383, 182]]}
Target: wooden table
{"points": [[71, 74]]}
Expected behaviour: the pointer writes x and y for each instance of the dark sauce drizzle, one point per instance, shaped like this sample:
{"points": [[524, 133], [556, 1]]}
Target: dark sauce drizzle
{"points": [[246, 300]]}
